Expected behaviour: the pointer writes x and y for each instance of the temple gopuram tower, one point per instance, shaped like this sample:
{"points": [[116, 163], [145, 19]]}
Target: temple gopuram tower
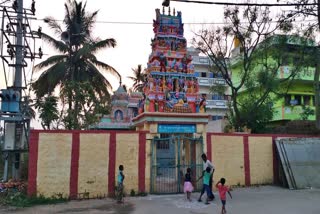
{"points": [[172, 110], [171, 90]]}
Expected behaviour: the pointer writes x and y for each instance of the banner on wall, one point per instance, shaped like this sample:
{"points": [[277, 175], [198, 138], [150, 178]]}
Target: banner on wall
{"points": [[176, 128]]}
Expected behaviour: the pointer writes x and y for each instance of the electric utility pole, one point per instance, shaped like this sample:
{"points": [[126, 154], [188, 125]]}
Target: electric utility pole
{"points": [[17, 45]]}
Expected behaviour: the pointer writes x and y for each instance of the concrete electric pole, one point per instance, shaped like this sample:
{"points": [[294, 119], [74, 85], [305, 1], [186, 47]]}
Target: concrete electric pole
{"points": [[19, 41]]}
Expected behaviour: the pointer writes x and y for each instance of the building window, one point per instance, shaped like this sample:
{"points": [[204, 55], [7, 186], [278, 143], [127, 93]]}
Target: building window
{"points": [[306, 100], [287, 100], [219, 75], [217, 117], [203, 60], [203, 74], [135, 112], [217, 96], [298, 99], [313, 100]]}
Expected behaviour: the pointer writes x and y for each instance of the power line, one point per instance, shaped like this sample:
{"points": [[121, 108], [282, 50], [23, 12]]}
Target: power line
{"points": [[4, 1], [186, 23], [167, 2]]}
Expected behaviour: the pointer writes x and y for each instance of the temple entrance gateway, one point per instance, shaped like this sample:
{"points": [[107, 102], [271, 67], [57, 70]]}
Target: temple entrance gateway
{"points": [[172, 154]]}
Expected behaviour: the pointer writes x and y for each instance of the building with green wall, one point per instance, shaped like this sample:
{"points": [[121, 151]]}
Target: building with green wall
{"points": [[296, 56]]}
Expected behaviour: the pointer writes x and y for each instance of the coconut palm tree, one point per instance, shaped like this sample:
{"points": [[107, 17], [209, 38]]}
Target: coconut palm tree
{"points": [[138, 79], [76, 61]]}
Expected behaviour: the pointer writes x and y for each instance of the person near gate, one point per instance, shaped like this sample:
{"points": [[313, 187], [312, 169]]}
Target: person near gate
{"points": [[205, 186], [188, 188], [120, 184], [207, 163]]}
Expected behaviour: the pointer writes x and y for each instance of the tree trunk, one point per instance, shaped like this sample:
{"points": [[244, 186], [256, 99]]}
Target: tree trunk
{"points": [[317, 92], [316, 77], [237, 117]]}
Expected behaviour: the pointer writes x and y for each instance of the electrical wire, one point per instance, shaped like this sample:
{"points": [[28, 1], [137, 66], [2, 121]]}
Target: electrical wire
{"points": [[186, 23], [248, 4]]}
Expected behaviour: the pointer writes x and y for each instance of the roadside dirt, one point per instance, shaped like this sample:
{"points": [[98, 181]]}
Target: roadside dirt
{"points": [[94, 206]]}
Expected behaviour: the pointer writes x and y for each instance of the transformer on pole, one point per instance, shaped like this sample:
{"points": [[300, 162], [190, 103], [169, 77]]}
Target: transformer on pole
{"points": [[17, 47]]}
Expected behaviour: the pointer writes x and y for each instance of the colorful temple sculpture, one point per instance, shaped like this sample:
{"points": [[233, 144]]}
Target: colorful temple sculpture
{"points": [[172, 113], [124, 107], [171, 84]]}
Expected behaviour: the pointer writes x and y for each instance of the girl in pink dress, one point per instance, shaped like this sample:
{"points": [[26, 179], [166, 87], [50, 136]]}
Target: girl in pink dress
{"points": [[188, 188]]}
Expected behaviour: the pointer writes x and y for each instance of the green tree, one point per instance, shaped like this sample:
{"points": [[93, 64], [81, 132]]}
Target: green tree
{"points": [[257, 60], [138, 79], [76, 62], [306, 112], [91, 105], [48, 109]]}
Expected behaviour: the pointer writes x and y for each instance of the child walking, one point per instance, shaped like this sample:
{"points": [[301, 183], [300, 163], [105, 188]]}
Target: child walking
{"points": [[223, 189], [187, 187], [120, 184], [206, 184]]}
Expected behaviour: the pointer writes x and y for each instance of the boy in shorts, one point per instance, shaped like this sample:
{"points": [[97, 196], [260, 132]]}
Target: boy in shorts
{"points": [[223, 189]]}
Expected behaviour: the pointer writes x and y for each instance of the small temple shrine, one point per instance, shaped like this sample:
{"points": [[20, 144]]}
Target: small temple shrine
{"points": [[124, 107]]}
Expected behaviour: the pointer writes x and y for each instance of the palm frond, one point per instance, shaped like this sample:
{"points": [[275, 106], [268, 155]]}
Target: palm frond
{"points": [[106, 67], [97, 79], [50, 79], [106, 43], [53, 24], [50, 61], [138, 87], [83, 52], [89, 21], [67, 18], [132, 78], [58, 45]]}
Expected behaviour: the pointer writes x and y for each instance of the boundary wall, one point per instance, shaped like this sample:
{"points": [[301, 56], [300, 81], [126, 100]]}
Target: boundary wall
{"points": [[85, 163], [245, 159], [79, 164]]}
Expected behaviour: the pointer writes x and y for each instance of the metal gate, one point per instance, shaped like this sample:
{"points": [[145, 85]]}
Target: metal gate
{"points": [[171, 156]]}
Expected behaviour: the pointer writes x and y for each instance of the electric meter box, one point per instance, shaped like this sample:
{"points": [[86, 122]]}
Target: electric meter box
{"points": [[14, 136]]}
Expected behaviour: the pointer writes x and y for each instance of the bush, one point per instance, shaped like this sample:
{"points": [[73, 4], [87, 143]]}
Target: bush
{"points": [[132, 193], [20, 199]]}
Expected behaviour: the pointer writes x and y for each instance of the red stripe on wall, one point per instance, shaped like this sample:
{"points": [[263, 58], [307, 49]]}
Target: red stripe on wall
{"points": [[112, 163], [75, 152], [33, 162], [209, 147], [275, 161], [142, 161], [246, 160]]}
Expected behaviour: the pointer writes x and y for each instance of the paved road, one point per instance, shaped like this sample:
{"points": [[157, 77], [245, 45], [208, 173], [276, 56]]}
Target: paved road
{"points": [[254, 200]]}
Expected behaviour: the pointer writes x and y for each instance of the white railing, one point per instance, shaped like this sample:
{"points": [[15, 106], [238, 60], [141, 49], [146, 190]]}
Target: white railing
{"points": [[205, 81], [223, 104]]}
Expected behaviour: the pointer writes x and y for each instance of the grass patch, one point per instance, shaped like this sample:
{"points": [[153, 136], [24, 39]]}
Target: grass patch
{"points": [[19, 199]]}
